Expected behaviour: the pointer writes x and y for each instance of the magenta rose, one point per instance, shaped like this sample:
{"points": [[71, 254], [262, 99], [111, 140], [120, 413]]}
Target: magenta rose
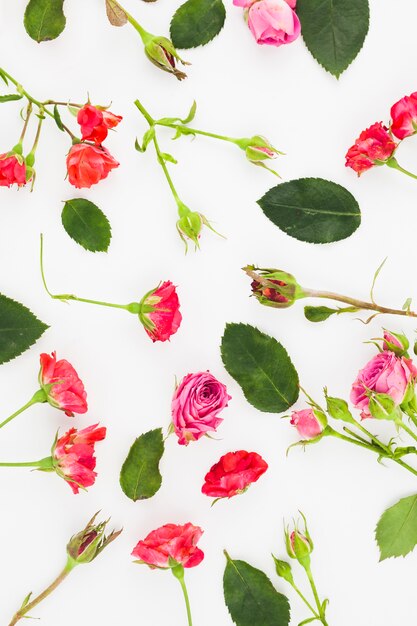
{"points": [[196, 404], [306, 423], [273, 22], [386, 373]]}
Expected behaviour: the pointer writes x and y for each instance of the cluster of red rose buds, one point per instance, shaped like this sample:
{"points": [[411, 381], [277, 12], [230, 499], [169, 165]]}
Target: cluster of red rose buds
{"points": [[377, 144], [88, 161]]}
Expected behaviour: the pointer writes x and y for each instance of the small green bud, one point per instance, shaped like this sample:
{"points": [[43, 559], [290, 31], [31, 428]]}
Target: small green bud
{"points": [[283, 570], [338, 409], [161, 52], [87, 544], [382, 407]]}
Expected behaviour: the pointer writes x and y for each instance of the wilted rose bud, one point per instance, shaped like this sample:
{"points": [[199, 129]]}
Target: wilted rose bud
{"points": [[274, 287], [395, 342], [299, 544], [87, 544], [161, 52]]}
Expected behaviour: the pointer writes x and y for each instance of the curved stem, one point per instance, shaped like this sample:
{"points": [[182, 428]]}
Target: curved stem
{"points": [[144, 112], [178, 572], [39, 396], [25, 125], [28, 607], [358, 304], [133, 307], [195, 131], [145, 36], [392, 162]]}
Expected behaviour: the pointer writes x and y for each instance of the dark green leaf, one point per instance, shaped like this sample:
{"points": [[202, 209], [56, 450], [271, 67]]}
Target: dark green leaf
{"points": [[334, 30], [312, 209], [261, 366], [10, 96], [251, 598], [396, 532], [44, 19], [140, 477], [19, 328], [86, 224], [115, 13], [197, 22], [318, 313], [57, 118]]}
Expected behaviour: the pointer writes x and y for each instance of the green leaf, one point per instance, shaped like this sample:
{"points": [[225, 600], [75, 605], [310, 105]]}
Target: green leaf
{"points": [[57, 118], [312, 209], [169, 158], [261, 366], [115, 13], [375, 278], [10, 96], [19, 328], [251, 598], [44, 19], [140, 477], [396, 532], [318, 313], [197, 22], [334, 30], [86, 224]]}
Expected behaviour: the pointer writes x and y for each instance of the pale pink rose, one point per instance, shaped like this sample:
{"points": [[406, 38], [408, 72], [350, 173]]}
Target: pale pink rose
{"points": [[386, 373], [196, 404], [306, 423], [273, 22]]}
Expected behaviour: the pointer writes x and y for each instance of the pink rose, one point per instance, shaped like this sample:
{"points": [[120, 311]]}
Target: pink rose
{"points": [[306, 423], [273, 22], [386, 373], [197, 401], [170, 542], [404, 116]]}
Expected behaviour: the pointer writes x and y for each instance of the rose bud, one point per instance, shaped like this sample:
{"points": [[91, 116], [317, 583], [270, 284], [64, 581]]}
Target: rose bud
{"points": [[62, 385], [95, 122], [299, 545], [396, 342], [309, 423], [386, 373], [161, 52], [87, 544], [87, 165], [258, 149], [404, 117], [338, 409], [274, 287], [169, 546], [374, 146], [159, 312], [196, 404], [233, 474], [283, 569], [271, 22], [12, 170], [73, 456]]}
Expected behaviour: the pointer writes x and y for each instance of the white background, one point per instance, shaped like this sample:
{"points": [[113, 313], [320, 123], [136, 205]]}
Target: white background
{"points": [[241, 89]]}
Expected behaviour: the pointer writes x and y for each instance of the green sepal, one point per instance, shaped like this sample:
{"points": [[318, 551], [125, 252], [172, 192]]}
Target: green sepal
{"points": [[338, 409]]}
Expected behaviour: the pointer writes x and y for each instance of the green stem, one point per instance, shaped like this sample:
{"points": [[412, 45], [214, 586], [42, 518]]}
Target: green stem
{"points": [[37, 136], [25, 125], [411, 415], [145, 36], [39, 396], [45, 464], [304, 599], [162, 163], [178, 572], [357, 304], [132, 307], [407, 430], [28, 607], [392, 162], [144, 112], [196, 132], [357, 442], [316, 595]]}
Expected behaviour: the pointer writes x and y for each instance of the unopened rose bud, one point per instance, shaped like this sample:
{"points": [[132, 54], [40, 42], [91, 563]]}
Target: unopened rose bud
{"points": [[161, 52], [310, 423], [189, 227], [274, 288], [339, 409], [382, 406], [258, 150], [299, 544], [283, 570], [87, 544], [396, 342]]}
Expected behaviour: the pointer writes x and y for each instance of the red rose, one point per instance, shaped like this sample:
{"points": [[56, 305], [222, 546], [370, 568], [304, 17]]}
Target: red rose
{"points": [[374, 146], [74, 458], [404, 116], [12, 170], [62, 385], [160, 312], [95, 123], [233, 474], [87, 164], [171, 542]]}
